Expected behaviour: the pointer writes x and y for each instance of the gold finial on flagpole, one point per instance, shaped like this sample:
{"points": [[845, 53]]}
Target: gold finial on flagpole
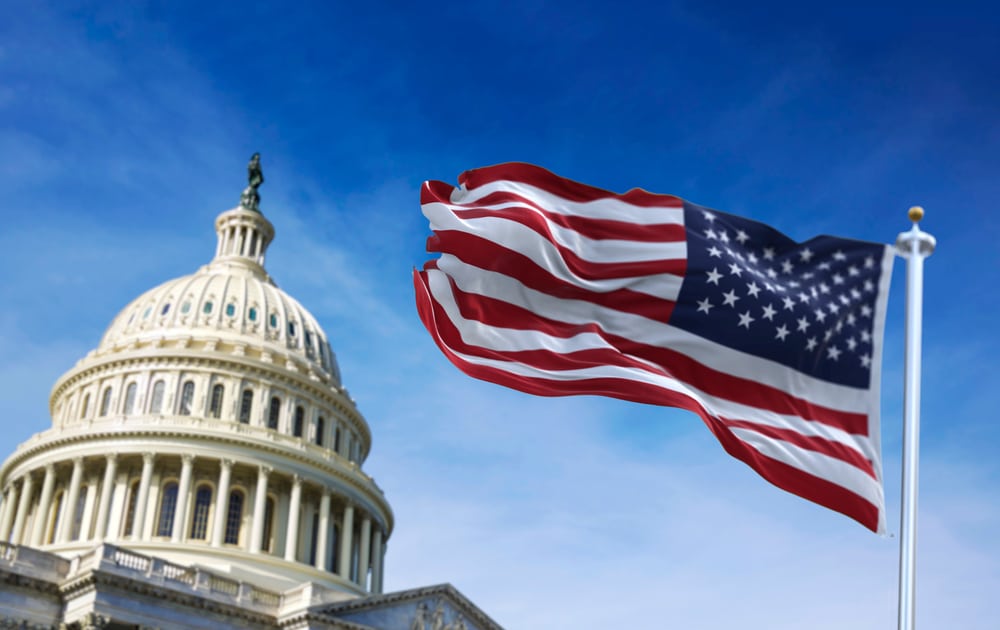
{"points": [[916, 213]]}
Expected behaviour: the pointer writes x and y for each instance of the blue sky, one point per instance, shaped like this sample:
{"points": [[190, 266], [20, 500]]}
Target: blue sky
{"points": [[124, 131]]}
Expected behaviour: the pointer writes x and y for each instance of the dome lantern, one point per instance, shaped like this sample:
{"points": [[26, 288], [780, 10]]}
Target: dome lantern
{"points": [[244, 233]]}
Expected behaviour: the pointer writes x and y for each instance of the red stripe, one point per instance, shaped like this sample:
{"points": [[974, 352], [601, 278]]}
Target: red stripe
{"points": [[831, 448], [566, 188], [592, 228], [500, 314], [486, 254], [805, 485]]}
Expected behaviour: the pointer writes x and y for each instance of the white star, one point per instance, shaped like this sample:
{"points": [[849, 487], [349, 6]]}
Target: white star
{"points": [[820, 315], [793, 284], [853, 270], [823, 287], [803, 324], [786, 266], [745, 320], [869, 286], [851, 319], [866, 311], [729, 298], [852, 343], [824, 265], [708, 215], [769, 313], [753, 289], [844, 299], [855, 294], [734, 269], [866, 360], [742, 236], [715, 252], [839, 255], [752, 257], [769, 287], [704, 306], [782, 332], [771, 273], [827, 335], [808, 275], [804, 298], [833, 353], [768, 253], [723, 236], [806, 255], [840, 325], [811, 343], [866, 336], [833, 307], [838, 279], [710, 233], [869, 262], [789, 303], [714, 275], [813, 292]]}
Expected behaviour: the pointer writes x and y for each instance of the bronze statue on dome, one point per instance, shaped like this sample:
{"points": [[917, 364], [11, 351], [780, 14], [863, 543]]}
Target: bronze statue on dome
{"points": [[250, 199]]}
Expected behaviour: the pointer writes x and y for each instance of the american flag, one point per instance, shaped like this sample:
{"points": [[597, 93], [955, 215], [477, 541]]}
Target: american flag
{"points": [[556, 288]]}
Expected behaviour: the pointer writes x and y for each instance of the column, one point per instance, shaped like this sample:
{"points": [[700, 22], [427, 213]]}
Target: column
{"points": [[294, 507], [257, 528], [69, 505], [107, 489], [9, 512], [219, 526], [377, 561], [22, 509], [324, 530], [346, 534], [44, 503], [183, 490], [363, 552], [139, 518], [88, 509]]}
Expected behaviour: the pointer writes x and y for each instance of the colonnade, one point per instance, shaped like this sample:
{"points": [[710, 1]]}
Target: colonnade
{"points": [[190, 500]]}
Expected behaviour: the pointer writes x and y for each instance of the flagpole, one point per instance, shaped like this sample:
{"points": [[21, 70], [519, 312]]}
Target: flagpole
{"points": [[914, 245]]}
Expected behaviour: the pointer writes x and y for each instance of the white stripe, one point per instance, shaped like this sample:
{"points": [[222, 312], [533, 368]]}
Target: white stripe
{"points": [[521, 238], [655, 333], [608, 208]]}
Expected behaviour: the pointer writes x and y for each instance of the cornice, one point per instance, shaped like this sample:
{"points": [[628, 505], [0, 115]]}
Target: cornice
{"points": [[372, 602]]}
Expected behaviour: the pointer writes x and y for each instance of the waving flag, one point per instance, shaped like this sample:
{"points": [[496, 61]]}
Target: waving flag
{"points": [[557, 288]]}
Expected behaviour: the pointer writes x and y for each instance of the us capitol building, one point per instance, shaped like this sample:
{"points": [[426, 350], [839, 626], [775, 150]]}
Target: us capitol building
{"points": [[204, 470]]}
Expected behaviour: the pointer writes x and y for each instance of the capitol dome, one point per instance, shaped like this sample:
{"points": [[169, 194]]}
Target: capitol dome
{"points": [[209, 428]]}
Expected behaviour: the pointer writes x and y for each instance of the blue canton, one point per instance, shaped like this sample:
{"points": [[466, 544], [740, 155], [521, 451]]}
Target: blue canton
{"points": [[809, 306]]}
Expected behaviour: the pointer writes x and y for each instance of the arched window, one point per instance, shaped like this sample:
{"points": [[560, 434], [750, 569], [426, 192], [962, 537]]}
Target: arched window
{"points": [[300, 416], [106, 401], [81, 503], [252, 314], [215, 407], [130, 399], [234, 517], [129, 522], [230, 309], [207, 309], [187, 398], [54, 520], [85, 407], [156, 399], [272, 416], [246, 406], [168, 506], [320, 427], [268, 524], [199, 520]]}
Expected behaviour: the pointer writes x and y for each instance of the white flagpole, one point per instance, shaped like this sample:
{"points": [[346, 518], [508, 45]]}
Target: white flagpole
{"points": [[913, 245]]}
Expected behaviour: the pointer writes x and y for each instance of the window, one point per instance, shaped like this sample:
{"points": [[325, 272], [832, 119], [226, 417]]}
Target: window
{"points": [[246, 406], [313, 538], [268, 522], [320, 427], [300, 414], [77, 522], [336, 439], [207, 309], [106, 401], [56, 509], [274, 320], [145, 313], [272, 416], [129, 523], [187, 398], [291, 329], [165, 309], [156, 400], [215, 407], [185, 308], [234, 517], [85, 407], [199, 520], [130, 399], [168, 506], [252, 314], [230, 309]]}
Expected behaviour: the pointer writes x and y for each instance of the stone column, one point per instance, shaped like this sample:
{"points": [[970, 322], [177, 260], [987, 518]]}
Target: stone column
{"points": [[183, 490], [9, 512], [22, 509], [107, 489], [88, 509], [364, 551], [324, 530], [257, 528], [69, 505], [294, 507], [139, 518], [346, 534], [44, 504], [221, 513], [377, 561]]}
